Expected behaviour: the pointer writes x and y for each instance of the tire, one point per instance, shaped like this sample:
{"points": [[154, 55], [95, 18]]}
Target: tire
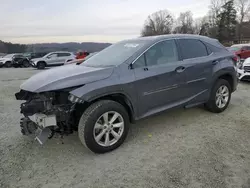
{"points": [[26, 64], [7, 64], [94, 113], [211, 105], [41, 65]]}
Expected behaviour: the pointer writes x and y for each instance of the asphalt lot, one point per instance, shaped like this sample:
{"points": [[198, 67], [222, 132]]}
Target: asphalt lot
{"points": [[182, 148]]}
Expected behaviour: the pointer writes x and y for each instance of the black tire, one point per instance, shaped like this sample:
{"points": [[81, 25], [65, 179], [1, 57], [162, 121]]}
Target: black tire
{"points": [[89, 118], [41, 65], [26, 64], [211, 104], [7, 64]]}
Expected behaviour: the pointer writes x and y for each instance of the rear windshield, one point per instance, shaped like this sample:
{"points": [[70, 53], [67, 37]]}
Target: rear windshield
{"points": [[115, 54]]}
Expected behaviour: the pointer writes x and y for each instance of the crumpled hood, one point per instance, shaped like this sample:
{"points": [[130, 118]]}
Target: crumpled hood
{"points": [[5, 59], [65, 77]]}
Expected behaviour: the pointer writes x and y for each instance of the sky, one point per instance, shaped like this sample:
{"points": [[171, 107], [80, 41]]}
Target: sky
{"points": [[38, 21]]}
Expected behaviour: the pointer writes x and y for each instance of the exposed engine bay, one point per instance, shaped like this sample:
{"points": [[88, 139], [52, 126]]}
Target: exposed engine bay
{"points": [[47, 113]]}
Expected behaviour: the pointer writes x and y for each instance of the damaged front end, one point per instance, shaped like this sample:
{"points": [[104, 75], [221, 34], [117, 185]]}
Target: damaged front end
{"points": [[47, 113]]}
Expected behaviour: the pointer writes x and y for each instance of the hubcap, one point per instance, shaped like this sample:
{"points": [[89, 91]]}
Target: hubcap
{"points": [[222, 96], [108, 128]]}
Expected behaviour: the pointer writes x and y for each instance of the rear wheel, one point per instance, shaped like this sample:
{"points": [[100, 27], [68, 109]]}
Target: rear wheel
{"points": [[7, 64], [220, 96], [41, 65], [103, 126]]}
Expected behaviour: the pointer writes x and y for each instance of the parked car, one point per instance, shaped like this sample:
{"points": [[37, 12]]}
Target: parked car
{"points": [[244, 70], [79, 61], [20, 61], [33, 55], [81, 55], [52, 59], [241, 50], [6, 61], [127, 81]]}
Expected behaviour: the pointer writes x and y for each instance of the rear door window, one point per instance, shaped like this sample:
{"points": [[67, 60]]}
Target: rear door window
{"points": [[63, 54], [192, 48]]}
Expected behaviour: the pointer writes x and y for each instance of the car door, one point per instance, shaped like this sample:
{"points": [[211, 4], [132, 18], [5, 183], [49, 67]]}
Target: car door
{"points": [[52, 59], [198, 67], [17, 58], [159, 78], [62, 57]]}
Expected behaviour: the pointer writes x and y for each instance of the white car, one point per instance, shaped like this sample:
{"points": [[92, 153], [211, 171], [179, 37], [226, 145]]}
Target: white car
{"points": [[52, 59], [244, 70], [6, 61]]}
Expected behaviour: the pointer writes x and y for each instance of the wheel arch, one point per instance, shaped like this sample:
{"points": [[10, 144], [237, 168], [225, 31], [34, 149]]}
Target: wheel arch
{"points": [[120, 98], [226, 76], [42, 62]]}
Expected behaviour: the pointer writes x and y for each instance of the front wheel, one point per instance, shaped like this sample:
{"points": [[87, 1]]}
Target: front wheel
{"points": [[220, 96], [41, 65], [104, 126]]}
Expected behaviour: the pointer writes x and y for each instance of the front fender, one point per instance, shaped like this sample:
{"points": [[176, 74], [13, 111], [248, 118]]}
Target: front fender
{"points": [[109, 86]]}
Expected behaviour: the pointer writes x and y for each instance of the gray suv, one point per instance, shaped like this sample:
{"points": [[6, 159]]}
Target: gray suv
{"points": [[52, 59], [125, 82]]}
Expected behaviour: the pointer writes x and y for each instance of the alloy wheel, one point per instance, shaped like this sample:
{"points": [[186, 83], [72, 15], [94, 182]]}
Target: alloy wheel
{"points": [[108, 128], [222, 96]]}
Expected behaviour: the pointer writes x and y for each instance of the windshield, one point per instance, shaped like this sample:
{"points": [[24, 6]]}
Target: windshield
{"points": [[9, 56], [235, 48], [115, 54]]}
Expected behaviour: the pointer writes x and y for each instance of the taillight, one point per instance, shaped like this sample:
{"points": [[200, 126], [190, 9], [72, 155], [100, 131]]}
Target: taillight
{"points": [[236, 60]]}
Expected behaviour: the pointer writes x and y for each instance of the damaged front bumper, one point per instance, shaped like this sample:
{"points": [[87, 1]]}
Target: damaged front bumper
{"points": [[46, 114], [39, 125]]}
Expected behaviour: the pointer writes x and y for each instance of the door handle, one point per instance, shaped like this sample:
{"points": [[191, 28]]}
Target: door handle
{"points": [[215, 62], [180, 69], [145, 69]]}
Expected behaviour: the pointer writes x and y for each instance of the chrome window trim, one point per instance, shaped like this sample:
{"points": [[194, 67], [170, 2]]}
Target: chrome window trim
{"points": [[176, 46]]}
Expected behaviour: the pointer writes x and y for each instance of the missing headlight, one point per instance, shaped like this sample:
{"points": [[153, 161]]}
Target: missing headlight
{"points": [[74, 99]]}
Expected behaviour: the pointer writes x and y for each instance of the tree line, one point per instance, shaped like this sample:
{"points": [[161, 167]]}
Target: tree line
{"points": [[226, 20], [7, 47]]}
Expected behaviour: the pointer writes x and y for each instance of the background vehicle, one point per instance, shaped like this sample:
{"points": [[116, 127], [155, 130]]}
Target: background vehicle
{"points": [[241, 50], [20, 61], [244, 70], [127, 81], [79, 61], [81, 55], [32, 55], [6, 60], [52, 59]]}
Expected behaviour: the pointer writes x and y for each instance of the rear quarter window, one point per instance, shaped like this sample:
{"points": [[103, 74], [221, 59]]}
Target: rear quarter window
{"points": [[192, 48], [211, 48]]}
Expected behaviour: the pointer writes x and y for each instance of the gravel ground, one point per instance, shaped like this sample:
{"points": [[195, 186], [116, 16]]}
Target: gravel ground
{"points": [[181, 148]]}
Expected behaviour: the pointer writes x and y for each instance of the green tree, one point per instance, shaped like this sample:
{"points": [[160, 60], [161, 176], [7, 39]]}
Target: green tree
{"points": [[227, 22]]}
